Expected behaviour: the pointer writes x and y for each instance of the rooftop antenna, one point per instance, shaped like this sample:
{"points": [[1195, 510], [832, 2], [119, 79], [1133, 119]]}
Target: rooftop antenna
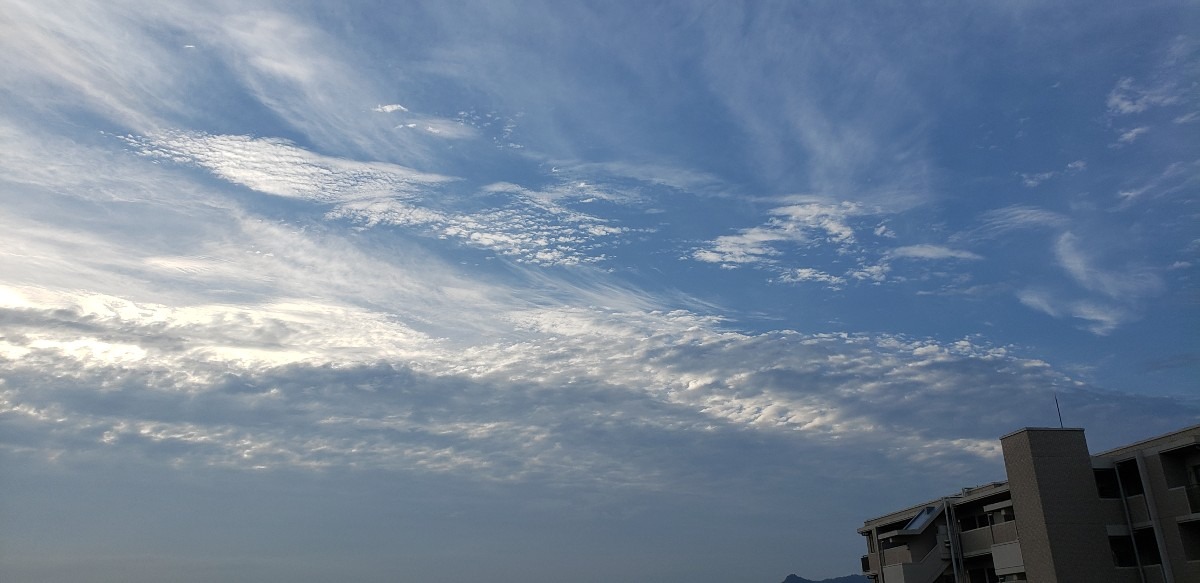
{"points": [[1059, 409]]}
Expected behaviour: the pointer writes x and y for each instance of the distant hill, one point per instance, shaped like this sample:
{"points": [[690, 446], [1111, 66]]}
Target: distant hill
{"points": [[793, 578]]}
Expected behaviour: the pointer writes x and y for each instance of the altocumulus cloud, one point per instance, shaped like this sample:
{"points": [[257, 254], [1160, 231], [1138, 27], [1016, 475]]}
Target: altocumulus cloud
{"points": [[262, 391]]}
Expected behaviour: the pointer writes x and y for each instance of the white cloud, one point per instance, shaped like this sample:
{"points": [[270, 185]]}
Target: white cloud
{"points": [[1039, 300], [806, 224], [1177, 178], [681, 179], [279, 386], [440, 127], [1110, 296], [1001, 221], [1128, 136], [390, 108], [1101, 319], [531, 228], [1036, 179], [1190, 117], [932, 252], [1033, 180], [278, 167], [804, 274], [874, 273], [1098, 318], [752, 245], [1129, 98], [1128, 284], [70, 50]]}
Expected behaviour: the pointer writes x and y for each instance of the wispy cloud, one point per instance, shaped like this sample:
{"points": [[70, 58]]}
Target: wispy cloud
{"points": [[1001, 221], [1177, 178], [932, 252], [1128, 284], [1098, 318], [1128, 97], [1190, 117], [806, 274], [805, 224], [531, 227], [1033, 180], [1036, 179], [1130, 135], [278, 167]]}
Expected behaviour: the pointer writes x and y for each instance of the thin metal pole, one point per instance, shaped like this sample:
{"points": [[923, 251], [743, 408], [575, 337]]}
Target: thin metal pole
{"points": [[950, 539]]}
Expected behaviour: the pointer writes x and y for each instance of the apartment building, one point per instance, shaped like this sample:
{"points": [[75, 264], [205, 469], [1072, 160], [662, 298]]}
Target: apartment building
{"points": [[1127, 515]]}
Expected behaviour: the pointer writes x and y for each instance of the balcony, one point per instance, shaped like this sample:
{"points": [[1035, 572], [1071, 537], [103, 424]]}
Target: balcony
{"points": [[976, 542], [934, 563], [979, 541], [1193, 498], [897, 555], [1004, 532]]}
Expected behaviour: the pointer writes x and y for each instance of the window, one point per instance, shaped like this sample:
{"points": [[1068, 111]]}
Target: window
{"points": [[1147, 546], [1179, 465], [1122, 551], [1190, 533], [983, 575], [1142, 541], [1106, 483], [1003, 515], [973, 522], [1130, 479]]}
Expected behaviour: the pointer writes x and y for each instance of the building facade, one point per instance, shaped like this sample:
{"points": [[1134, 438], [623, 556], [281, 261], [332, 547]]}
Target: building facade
{"points": [[1127, 515]]}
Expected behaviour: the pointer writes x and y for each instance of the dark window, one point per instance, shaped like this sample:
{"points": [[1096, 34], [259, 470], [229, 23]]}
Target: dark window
{"points": [[1175, 465], [983, 575], [1131, 481], [1190, 533], [1122, 551], [1106, 483], [1147, 546], [972, 522]]}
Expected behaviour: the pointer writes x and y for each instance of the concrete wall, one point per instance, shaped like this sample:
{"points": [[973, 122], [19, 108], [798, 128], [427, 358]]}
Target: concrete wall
{"points": [[1058, 513]]}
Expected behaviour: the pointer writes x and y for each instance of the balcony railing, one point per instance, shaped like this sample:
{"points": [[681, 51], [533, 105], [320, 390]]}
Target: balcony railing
{"points": [[976, 541], [980, 540], [897, 555], [1004, 532], [930, 566]]}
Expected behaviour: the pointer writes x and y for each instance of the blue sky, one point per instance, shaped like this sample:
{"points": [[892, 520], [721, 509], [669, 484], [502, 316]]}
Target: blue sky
{"points": [[601, 291]]}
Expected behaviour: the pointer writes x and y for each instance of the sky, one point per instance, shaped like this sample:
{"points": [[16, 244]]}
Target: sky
{"points": [[588, 291]]}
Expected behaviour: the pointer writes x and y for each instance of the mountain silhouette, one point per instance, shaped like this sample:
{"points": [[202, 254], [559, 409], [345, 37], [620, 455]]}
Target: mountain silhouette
{"points": [[794, 578]]}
